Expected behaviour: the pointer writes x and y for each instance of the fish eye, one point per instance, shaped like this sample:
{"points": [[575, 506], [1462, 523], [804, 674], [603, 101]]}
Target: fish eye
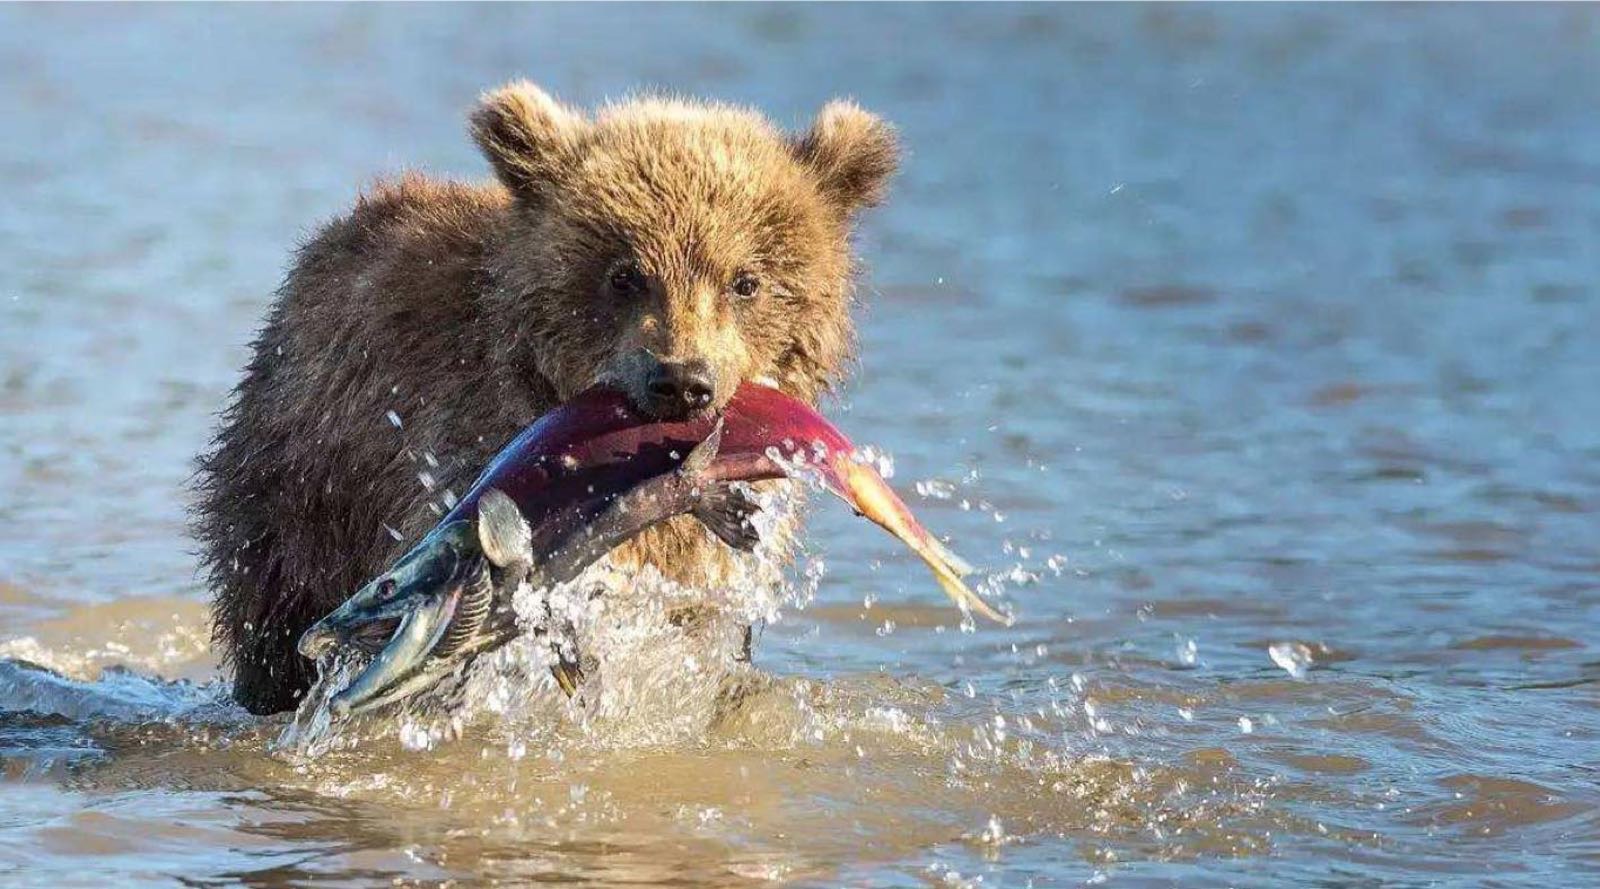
{"points": [[746, 285], [386, 590], [627, 279]]}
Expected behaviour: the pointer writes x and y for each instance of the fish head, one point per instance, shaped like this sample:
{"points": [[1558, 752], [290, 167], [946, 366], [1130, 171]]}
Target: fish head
{"points": [[401, 615]]}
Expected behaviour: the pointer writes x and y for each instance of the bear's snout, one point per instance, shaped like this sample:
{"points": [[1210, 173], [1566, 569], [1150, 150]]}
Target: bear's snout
{"points": [[676, 389]]}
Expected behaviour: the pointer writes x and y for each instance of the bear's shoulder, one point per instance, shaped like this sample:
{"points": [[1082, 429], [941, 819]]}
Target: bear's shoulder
{"points": [[395, 276], [415, 213]]}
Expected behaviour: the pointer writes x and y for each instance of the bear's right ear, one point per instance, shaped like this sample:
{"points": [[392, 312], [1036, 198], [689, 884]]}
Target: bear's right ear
{"points": [[852, 152], [525, 134]]}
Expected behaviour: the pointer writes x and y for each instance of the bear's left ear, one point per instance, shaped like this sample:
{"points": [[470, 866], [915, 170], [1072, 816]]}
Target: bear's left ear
{"points": [[852, 152], [525, 133]]}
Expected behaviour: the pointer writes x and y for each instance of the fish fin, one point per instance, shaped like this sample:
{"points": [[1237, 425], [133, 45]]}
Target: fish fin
{"points": [[961, 594], [568, 675], [961, 567], [727, 512], [704, 453], [502, 531], [948, 568]]}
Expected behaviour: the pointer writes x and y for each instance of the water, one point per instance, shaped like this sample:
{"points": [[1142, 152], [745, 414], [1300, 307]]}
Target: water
{"points": [[1253, 350]]}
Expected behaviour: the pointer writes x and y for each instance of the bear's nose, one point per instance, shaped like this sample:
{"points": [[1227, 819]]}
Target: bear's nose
{"points": [[678, 388]]}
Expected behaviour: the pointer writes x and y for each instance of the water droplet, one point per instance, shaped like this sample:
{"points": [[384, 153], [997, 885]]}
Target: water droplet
{"points": [[1293, 657], [993, 833], [394, 419]]}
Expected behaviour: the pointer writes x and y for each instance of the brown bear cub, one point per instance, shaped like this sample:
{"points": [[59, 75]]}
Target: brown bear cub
{"points": [[670, 248]]}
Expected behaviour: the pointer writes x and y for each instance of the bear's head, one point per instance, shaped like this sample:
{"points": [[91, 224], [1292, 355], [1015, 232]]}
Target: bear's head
{"points": [[675, 248]]}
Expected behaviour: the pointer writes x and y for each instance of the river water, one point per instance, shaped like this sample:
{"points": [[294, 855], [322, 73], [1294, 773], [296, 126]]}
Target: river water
{"points": [[1252, 351]]}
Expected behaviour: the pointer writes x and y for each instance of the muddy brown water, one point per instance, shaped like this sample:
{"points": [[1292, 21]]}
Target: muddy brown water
{"points": [[1252, 351]]}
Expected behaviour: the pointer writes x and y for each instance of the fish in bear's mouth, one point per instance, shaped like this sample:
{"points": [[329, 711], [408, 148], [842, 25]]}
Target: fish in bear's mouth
{"points": [[586, 477]]}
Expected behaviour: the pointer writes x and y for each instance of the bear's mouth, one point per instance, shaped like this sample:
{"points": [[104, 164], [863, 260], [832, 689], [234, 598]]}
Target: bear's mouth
{"points": [[671, 413], [677, 411]]}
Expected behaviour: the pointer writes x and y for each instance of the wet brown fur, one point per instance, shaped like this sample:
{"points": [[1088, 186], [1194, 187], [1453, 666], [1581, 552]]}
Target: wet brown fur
{"points": [[469, 310]]}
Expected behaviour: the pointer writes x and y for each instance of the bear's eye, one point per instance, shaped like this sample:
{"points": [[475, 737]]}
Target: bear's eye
{"points": [[746, 285], [627, 279]]}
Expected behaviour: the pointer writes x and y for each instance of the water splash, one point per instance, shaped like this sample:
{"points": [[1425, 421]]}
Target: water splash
{"points": [[662, 661], [119, 693]]}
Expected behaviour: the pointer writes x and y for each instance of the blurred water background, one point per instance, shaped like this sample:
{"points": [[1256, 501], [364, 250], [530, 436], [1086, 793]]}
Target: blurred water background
{"points": [[1255, 349]]}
